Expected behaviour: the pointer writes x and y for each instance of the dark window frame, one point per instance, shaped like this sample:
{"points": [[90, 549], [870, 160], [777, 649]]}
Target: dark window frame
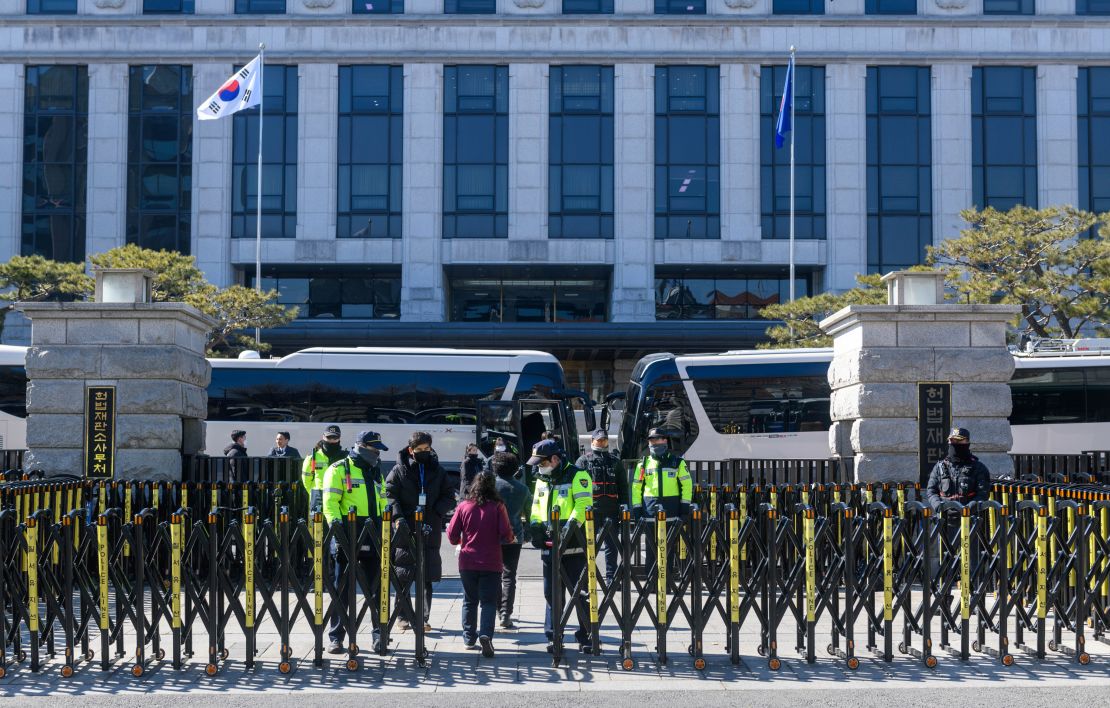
{"points": [[370, 214], [538, 300], [890, 7], [1092, 7], [279, 211], [65, 220], [469, 7], [334, 292], [260, 7], [681, 7], [680, 110], [1093, 114], [992, 116], [675, 299], [51, 7], [169, 7], [568, 115], [798, 7]]}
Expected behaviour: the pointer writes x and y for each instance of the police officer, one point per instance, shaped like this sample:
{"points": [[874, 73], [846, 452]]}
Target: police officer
{"points": [[661, 481], [326, 452], [355, 481], [610, 491], [960, 476], [559, 485]]}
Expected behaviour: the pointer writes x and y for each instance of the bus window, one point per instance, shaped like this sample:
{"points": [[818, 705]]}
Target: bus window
{"points": [[1098, 395], [776, 404], [497, 419], [666, 406], [1047, 396], [539, 381], [13, 391]]}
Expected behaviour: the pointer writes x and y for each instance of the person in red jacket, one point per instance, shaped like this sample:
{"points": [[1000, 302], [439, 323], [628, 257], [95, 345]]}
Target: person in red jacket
{"points": [[480, 525]]}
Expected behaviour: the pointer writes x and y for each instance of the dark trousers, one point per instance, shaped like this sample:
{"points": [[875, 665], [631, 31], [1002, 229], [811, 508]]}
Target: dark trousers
{"points": [[371, 567], [609, 545], [480, 588], [408, 612], [510, 558], [574, 564]]}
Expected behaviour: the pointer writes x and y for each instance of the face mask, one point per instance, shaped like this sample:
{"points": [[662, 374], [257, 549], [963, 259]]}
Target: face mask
{"points": [[499, 448], [423, 457], [473, 455], [369, 455], [658, 450], [959, 452], [545, 470], [599, 448], [331, 446]]}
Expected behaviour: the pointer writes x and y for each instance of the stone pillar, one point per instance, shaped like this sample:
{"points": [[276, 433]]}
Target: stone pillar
{"points": [[212, 181], [528, 152], [634, 193], [740, 209], [1057, 135], [951, 129], [153, 353], [880, 355], [317, 180], [106, 211], [422, 296], [846, 174]]}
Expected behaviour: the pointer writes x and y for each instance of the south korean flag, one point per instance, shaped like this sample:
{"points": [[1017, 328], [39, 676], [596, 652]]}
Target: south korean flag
{"points": [[243, 90]]}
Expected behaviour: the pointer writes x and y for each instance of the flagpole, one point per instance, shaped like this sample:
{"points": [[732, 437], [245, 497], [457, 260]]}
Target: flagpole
{"points": [[258, 194], [793, 130]]}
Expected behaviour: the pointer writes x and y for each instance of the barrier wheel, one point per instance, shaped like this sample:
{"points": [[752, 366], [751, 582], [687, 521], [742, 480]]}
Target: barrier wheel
{"points": [[853, 663], [285, 667], [628, 664], [1084, 658], [21, 655], [352, 664], [1052, 645], [224, 653], [931, 661], [690, 649], [67, 671], [286, 653], [774, 664], [762, 651], [901, 647], [211, 669], [160, 654], [89, 655], [975, 646], [699, 664], [831, 650], [3, 672], [1007, 659], [137, 670], [354, 649]]}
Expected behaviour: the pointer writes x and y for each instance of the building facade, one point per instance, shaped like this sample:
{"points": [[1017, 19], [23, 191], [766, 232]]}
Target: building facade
{"points": [[597, 178]]}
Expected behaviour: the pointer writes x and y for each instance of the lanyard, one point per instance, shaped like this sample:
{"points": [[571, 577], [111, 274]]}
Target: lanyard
{"points": [[421, 479]]}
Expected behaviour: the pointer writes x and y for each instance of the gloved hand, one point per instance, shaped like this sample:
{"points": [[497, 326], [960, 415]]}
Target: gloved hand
{"points": [[537, 535], [426, 529]]}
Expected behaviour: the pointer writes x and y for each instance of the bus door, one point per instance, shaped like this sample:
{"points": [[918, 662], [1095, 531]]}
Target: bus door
{"points": [[522, 423]]}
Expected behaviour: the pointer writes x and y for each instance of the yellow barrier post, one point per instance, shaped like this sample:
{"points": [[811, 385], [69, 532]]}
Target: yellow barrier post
{"points": [[591, 574], [661, 563], [318, 566], [387, 554]]}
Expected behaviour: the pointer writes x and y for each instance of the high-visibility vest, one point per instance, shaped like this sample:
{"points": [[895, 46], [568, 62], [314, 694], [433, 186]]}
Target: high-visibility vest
{"points": [[571, 496], [346, 486], [665, 478]]}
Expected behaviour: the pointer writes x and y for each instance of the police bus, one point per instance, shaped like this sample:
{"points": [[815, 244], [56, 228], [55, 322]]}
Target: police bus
{"points": [[775, 403], [394, 391]]}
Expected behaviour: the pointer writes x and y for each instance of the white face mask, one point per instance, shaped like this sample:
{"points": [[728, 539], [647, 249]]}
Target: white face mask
{"points": [[499, 448], [600, 448], [546, 469]]}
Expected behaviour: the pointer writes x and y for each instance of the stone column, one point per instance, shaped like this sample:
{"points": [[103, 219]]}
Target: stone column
{"points": [[634, 193], [106, 210], [317, 181], [11, 159], [422, 296], [153, 353], [528, 152], [740, 210], [211, 181], [1057, 135], [951, 128], [880, 355], [846, 173]]}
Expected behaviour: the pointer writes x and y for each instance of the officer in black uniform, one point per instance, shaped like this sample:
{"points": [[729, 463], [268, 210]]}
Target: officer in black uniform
{"points": [[610, 492], [960, 476]]}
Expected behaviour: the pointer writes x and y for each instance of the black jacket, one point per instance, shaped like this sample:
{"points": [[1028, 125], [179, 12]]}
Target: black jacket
{"points": [[290, 452], [610, 482], [957, 480], [469, 470], [402, 488], [235, 450]]}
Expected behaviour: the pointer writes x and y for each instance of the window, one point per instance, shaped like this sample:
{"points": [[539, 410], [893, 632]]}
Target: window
{"points": [[370, 137], [259, 7], [679, 7], [798, 7], [279, 160], [479, 299], [890, 7], [378, 7], [168, 7], [51, 7], [1004, 136], [693, 296], [1047, 396], [1094, 139], [1008, 7], [809, 155], [687, 152], [1092, 7], [476, 152], [587, 7], [351, 396], [469, 7], [540, 380], [159, 157], [580, 182], [666, 406], [328, 292], [55, 161], [13, 391], [899, 167], [763, 398]]}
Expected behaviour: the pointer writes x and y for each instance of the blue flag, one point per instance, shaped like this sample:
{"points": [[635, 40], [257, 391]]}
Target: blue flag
{"points": [[783, 126]]}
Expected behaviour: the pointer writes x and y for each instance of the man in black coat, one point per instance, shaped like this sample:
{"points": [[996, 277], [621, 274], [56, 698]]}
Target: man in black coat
{"points": [[418, 481]]}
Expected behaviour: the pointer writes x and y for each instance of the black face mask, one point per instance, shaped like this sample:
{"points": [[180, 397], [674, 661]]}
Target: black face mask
{"points": [[424, 457], [959, 452], [332, 447], [473, 456]]}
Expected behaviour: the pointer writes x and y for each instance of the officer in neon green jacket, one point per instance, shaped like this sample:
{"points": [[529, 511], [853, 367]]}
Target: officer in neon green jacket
{"points": [[327, 451], [661, 481], [560, 485], [355, 482]]}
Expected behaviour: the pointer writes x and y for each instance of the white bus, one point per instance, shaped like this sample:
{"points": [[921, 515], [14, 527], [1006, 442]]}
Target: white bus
{"points": [[393, 391], [775, 403]]}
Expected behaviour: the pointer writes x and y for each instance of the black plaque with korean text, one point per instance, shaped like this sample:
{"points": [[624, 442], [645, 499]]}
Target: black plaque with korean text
{"points": [[100, 432], [934, 416]]}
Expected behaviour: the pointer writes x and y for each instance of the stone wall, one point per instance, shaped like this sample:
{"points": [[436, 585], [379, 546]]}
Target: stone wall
{"points": [[881, 353], [152, 353]]}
